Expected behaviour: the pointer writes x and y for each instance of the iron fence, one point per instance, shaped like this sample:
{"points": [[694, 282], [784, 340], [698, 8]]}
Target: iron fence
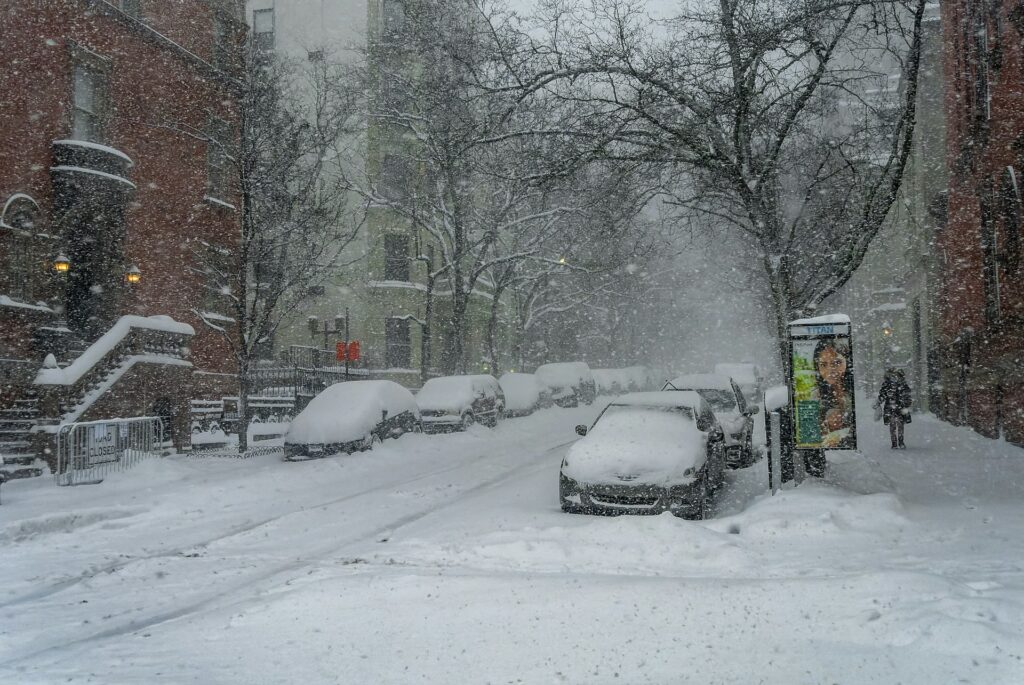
{"points": [[88, 451]]}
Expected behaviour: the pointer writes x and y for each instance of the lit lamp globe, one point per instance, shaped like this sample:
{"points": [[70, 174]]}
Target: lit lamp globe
{"points": [[133, 276], [62, 264]]}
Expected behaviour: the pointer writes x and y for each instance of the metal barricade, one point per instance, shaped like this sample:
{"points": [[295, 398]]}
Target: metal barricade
{"points": [[90, 450]]}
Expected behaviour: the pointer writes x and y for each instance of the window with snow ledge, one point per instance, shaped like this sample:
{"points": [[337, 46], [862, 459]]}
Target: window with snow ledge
{"points": [[219, 161], [397, 342], [263, 29], [396, 257], [90, 88]]}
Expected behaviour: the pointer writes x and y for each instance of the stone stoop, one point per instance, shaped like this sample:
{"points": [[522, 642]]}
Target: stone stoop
{"points": [[17, 453]]}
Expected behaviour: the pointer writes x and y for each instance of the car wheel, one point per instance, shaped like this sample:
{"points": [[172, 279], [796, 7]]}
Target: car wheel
{"points": [[468, 420]]}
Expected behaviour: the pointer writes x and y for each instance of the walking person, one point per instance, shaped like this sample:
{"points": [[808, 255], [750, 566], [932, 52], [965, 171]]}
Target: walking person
{"points": [[894, 399]]}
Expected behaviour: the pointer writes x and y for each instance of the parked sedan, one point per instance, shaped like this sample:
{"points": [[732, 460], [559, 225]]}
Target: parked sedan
{"points": [[731, 409], [351, 416], [523, 394], [570, 383], [457, 402], [648, 452]]}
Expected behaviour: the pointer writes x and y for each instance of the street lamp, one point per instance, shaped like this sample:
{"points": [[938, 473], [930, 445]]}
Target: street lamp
{"points": [[61, 264], [133, 276]]}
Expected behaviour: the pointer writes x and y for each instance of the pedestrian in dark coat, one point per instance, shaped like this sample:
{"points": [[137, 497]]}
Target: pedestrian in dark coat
{"points": [[894, 398]]}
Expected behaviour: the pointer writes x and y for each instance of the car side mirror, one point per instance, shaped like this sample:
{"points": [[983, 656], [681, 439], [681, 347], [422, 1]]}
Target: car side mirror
{"points": [[581, 430], [716, 433]]}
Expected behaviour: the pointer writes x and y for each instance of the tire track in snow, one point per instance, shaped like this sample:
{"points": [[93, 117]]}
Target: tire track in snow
{"points": [[183, 550], [216, 599]]}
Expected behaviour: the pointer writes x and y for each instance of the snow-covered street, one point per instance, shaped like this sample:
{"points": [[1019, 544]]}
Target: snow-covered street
{"points": [[445, 559]]}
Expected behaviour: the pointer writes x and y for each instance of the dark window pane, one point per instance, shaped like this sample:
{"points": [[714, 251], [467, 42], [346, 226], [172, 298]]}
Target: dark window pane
{"points": [[399, 346], [396, 257], [263, 29]]}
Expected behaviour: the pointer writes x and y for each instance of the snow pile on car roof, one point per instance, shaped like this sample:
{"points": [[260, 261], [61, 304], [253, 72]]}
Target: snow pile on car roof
{"points": [[649, 445], [447, 393], [522, 392], [347, 412], [564, 374], [742, 372]]}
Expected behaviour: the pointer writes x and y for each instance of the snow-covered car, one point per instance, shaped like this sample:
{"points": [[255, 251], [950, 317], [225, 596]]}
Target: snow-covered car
{"points": [[457, 402], [351, 416], [612, 381], [639, 379], [523, 394], [746, 375], [731, 410], [570, 383], [648, 452]]}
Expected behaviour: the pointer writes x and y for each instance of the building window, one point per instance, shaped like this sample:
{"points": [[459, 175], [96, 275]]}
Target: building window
{"points": [[396, 257], [219, 159], [399, 346], [132, 8], [223, 43], [395, 177], [89, 104], [263, 29], [1010, 210], [990, 257], [982, 86], [392, 16]]}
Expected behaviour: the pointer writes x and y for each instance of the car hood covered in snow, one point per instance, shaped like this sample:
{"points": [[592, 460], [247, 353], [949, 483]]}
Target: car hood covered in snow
{"points": [[638, 445], [347, 412]]}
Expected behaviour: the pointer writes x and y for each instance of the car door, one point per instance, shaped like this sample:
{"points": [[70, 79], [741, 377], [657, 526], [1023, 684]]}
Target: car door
{"points": [[707, 422]]}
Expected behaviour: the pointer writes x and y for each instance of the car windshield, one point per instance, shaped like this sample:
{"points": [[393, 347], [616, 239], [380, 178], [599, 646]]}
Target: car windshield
{"points": [[720, 400], [616, 409]]}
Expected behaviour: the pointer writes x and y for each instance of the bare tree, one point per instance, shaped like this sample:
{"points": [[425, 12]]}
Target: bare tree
{"points": [[296, 217], [790, 123]]}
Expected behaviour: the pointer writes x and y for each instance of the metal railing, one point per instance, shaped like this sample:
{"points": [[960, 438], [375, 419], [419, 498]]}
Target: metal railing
{"points": [[88, 451]]}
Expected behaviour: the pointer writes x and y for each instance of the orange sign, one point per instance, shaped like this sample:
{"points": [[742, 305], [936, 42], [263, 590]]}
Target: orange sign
{"points": [[349, 352]]}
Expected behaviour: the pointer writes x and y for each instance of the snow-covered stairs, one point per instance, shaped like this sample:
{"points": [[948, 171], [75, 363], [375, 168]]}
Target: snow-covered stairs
{"points": [[17, 458]]}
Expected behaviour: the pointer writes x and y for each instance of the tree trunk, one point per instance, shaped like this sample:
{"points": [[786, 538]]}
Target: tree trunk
{"points": [[244, 387], [426, 341], [778, 281], [492, 326], [460, 303]]}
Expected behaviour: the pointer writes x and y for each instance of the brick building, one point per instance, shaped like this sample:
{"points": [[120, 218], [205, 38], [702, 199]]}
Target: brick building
{"points": [[115, 120], [981, 303]]}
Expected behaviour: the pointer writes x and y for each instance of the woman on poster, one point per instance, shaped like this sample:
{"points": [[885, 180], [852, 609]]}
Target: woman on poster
{"points": [[835, 393]]}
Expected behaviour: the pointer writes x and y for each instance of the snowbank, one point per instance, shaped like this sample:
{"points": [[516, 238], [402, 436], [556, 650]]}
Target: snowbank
{"points": [[347, 412]]}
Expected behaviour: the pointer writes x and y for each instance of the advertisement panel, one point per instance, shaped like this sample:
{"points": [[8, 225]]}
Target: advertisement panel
{"points": [[824, 408]]}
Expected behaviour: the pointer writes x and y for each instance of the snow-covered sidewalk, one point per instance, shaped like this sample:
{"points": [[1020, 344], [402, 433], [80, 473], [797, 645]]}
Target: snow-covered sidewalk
{"points": [[445, 559]]}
